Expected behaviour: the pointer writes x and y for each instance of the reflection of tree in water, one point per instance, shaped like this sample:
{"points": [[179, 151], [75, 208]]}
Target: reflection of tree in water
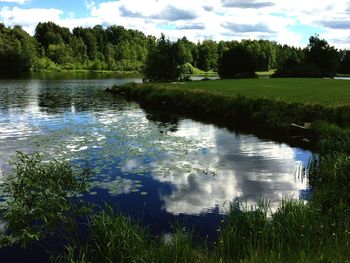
{"points": [[56, 101], [13, 96], [163, 119]]}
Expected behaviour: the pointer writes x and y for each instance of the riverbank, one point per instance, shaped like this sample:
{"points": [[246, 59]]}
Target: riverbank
{"points": [[296, 232], [248, 105]]}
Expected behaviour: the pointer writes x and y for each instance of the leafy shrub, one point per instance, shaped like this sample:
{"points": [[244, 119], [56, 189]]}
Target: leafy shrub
{"points": [[39, 197]]}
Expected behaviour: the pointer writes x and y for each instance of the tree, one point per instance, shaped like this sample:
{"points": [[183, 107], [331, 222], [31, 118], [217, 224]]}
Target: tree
{"points": [[207, 55], [319, 60], [164, 62], [79, 49], [60, 54], [236, 62], [345, 62], [51, 34], [17, 50], [322, 56]]}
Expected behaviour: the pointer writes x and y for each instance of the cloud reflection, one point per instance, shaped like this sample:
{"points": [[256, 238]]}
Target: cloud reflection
{"points": [[236, 166], [207, 167]]}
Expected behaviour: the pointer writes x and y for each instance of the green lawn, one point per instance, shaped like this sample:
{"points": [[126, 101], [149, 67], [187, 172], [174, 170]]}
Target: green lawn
{"points": [[314, 91]]}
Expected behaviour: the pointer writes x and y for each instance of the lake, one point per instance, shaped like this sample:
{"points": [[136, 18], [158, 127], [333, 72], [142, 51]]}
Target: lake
{"points": [[160, 170]]}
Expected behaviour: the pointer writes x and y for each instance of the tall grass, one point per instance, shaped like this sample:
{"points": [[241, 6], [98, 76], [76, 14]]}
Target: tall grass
{"points": [[294, 230], [116, 238]]}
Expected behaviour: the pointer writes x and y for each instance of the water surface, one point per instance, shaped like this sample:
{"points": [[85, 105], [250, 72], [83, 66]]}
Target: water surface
{"points": [[158, 170]]}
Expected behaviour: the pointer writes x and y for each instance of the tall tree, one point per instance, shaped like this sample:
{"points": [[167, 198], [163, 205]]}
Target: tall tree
{"points": [[237, 62], [17, 50], [164, 62], [208, 55], [322, 56]]}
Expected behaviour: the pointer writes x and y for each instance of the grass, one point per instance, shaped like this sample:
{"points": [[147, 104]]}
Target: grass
{"points": [[297, 232], [262, 74], [326, 92], [237, 104], [116, 238]]}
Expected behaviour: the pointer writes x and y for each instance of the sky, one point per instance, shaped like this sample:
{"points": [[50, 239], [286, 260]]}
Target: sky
{"points": [[289, 22]]}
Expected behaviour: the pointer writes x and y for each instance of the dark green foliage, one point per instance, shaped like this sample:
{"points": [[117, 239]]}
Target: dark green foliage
{"points": [[117, 48], [51, 34], [320, 60], [345, 62], [264, 53], [298, 69], [238, 62], [113, 48], [60, 54], [164, 62], [39, 198], [17, 50], [207, 55], [284, 53], [322, 56]]}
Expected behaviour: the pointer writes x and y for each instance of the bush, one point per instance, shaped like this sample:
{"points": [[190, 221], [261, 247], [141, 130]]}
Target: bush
{"points": [[238, 62], [39, 198], [294, 68]]}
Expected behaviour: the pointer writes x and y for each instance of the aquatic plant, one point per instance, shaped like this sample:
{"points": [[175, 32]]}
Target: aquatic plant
{"points": [[39, 199]]}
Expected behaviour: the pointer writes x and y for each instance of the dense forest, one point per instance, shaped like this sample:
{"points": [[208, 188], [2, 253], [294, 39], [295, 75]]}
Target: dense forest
{"points": [[116, 48]]}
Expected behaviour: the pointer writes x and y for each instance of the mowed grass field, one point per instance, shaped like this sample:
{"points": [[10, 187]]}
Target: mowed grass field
{"points": [[327, 92]]}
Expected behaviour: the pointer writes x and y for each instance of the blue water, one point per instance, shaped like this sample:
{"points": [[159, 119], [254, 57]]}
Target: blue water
{"points": [[160, 172]]}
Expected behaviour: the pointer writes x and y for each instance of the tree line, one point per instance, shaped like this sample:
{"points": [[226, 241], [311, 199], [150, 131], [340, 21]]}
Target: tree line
{"points": [[116, 48]]}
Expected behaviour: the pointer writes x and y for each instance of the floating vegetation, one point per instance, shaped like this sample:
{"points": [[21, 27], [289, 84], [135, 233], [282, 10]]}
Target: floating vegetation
{"points": [[111, 144], [119, 143]]}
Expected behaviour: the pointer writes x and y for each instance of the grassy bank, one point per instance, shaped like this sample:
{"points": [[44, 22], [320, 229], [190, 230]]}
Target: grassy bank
{"points": [[326, 92], [233, 100]]}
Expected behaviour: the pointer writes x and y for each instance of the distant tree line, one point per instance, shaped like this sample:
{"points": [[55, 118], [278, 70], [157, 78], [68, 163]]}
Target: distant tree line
{"points": [[115, 48]]}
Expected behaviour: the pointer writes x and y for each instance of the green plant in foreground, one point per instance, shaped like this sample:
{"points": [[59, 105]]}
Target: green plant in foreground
{"points": [[116, 238], [39, 199]]}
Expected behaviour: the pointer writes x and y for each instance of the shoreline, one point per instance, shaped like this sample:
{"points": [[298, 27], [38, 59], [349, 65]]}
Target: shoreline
{"points": [[290, 122]]}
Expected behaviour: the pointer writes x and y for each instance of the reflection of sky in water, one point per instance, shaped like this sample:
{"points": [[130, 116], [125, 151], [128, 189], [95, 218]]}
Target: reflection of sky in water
{"points": [[233, 166], [180, 168]]}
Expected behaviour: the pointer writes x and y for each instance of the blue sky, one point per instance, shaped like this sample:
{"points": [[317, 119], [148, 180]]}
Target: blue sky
{"points": [[284, 21]]}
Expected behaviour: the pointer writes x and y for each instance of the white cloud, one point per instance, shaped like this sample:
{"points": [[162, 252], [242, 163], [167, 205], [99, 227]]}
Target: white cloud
{"points": [[268, 19], [14, 1], [29, 18]]}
